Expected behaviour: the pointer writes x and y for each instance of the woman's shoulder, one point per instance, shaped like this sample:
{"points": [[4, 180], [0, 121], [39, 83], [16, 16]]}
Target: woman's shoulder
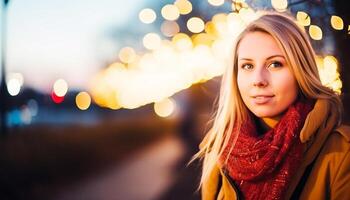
{"points": [[337, 146], [344, 131]]}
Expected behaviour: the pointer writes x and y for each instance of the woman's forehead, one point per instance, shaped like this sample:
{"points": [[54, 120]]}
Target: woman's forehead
{"points": [[258, 45]]}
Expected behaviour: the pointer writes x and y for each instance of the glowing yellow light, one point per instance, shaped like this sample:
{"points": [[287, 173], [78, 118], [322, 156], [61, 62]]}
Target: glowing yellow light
{"points": [[83, 100], [328, 70], [219, 18], [303, 18], [331, 62], [349, 29], [127, 55], [182, 41], [337, 22], [170, 12], [60, 87], [203, 38], [165, 107], [147, 16], [279, 5], [315, 32], [184, 6], [151, 41], [13, 86], [169, 28], [210, 28], [195, 25], [216, 2], [116, 66]]}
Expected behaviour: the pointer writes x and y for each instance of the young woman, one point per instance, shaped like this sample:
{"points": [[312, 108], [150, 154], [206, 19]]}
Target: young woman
{"points": [[277, 132]]}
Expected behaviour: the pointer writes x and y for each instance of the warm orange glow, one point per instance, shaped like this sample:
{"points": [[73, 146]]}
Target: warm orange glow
{"points": [[151, 41], [127, 55], [195, 25], [169, 28], [60, 87], [315, 32], [83, 100], [170, 12], [147, 16], [184, 6]]}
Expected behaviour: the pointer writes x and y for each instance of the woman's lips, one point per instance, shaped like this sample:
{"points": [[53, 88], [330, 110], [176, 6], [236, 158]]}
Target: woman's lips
{"points": [[262, 99]]}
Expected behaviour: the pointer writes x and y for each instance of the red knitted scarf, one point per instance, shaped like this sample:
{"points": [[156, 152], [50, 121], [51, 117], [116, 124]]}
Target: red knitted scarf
{"points": [[262, 165]]}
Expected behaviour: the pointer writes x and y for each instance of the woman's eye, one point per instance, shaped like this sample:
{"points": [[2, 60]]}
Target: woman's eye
{"points": [[247, 66], [276, 64]]}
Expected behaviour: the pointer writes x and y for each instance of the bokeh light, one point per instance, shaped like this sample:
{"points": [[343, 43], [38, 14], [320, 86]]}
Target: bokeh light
{"points": [[337, 22], [83, 100], [33, 107], [147, 16], [279, 5], [328, 70], [127, 55], [60, 87], [13, 86], [216, 2], [182, 41], [151, 41], [195, 25], [165, 107], [184, 6], [169, 28], [315, 32], [303, 18], [170, 12], [56, 99]]}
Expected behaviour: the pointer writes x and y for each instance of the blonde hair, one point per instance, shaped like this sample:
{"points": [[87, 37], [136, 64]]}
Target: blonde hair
{"points": [[300, 56]]}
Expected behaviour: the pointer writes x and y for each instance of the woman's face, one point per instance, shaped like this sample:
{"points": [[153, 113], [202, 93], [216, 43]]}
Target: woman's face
{"points": [[265, 81]]}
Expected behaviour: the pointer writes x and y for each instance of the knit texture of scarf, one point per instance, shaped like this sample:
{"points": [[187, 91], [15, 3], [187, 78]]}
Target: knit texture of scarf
{"points": [[262, 165]]}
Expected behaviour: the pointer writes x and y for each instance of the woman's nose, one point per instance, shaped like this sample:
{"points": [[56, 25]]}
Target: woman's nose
{"points": [[260, 78]]}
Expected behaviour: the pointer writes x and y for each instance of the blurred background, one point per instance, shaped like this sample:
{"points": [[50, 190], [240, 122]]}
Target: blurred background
{"points": [[109, 99]]}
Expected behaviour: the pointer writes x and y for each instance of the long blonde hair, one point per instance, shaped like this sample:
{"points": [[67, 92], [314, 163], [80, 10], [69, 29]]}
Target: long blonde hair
{"points": [[231, 110]]}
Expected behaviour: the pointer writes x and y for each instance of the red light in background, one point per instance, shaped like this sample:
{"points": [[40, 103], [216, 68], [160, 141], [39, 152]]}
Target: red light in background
{"points": [[56, 98]]}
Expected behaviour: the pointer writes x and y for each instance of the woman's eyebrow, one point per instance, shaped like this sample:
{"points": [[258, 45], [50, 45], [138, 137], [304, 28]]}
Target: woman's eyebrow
{"points": [[268, 58]]}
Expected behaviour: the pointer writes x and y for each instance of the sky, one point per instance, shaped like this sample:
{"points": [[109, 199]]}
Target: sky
{"points": [[48, 40]]}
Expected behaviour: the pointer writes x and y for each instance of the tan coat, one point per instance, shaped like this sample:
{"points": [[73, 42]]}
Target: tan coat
{"points": [[326, 148]]}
